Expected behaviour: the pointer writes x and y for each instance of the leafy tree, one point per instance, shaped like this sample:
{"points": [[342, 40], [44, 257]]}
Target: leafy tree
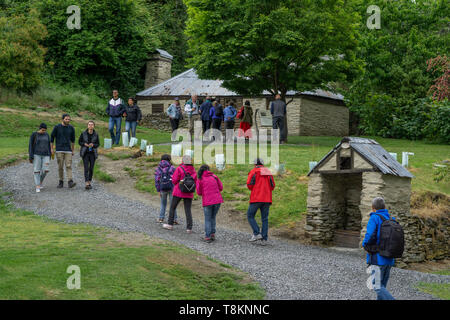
{"points": [[110, 49], [441, 86], [21, 55], [274, 45], [389, 95], [169, 17]]}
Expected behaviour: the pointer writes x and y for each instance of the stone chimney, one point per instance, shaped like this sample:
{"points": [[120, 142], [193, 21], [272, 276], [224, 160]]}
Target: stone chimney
{"points": [[158, 68]]}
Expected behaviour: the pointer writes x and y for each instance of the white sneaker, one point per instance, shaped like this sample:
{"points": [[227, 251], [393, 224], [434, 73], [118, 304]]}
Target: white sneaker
{"points": [[167, 226], [38, 190], [255, 238]]}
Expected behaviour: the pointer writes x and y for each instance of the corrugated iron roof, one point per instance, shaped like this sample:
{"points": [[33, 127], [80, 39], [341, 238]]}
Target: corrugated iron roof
{"points": [[188, 83], [373, 153]]}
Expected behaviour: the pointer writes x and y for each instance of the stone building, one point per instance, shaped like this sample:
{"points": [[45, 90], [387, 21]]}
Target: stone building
{"points": [[312, 113], [340, 192]]}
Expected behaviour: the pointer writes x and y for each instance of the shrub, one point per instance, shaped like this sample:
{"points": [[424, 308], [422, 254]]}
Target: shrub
{"points": [[21, 55]]}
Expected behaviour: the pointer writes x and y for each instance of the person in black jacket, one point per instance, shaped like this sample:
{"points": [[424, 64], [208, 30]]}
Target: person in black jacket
{"points": [[134, 115], [89, 142], [39, 154], [64, 134]]}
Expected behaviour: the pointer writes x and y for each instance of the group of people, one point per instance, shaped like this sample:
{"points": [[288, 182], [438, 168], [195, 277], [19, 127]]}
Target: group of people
{"points": [[61, 142], [180, 184], [212, 114], [116, 110]]}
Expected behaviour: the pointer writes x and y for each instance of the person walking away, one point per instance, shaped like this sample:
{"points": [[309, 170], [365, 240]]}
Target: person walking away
{"points": [[89, 142], [115, 110], [184, 180], [39, 151], [191, 109], [205, 114], [209, 187], [229, 114], [216, 114], [133, 116], [164, 185], [371, 244], [64, 134], [261, 184], [246, 121], [278, 111], [174, 113]]}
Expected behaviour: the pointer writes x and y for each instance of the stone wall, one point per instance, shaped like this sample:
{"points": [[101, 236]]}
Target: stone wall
{"points": [[158, 70], [333, 203], [323, 119]]}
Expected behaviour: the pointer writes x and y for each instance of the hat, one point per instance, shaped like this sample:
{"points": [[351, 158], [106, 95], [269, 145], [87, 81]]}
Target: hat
{"points": [[42, 126], [177, 99]]}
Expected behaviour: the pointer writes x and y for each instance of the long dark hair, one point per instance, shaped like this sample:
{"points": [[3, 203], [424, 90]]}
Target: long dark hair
{"points": [[202, 169]]}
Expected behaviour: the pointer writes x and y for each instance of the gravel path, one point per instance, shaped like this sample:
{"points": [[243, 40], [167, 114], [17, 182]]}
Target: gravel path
{"points": [[286, 270]]}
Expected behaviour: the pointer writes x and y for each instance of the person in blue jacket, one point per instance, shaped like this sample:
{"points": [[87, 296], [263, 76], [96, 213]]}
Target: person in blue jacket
{"points": [[229, 114], [372, 238]]}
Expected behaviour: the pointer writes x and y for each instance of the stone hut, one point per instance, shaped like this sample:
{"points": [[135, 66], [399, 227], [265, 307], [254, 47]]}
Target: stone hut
{"points": [[340, 192], [312, 113], [342, 186]]}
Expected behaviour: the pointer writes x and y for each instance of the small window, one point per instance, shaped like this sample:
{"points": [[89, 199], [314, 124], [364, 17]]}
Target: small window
{"points": [[345, 163], [157, 108]]}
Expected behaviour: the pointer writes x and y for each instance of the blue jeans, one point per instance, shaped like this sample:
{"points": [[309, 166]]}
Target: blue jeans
{"points": [[115, 121], [41, 166], [251, 212], [162, 212], [131, 125], [210, 219], [383, 293]]}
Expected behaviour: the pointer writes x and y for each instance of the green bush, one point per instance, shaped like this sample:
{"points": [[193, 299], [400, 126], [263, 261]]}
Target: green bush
{"points": [[21, 55]]}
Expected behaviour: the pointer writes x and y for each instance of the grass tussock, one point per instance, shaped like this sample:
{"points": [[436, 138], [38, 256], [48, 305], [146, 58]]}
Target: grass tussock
{"points": [[430, 204]]}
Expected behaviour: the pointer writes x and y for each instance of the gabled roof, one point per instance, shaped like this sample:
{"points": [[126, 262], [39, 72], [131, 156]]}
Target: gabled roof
{"points": [[374, 154], [188, 83]]}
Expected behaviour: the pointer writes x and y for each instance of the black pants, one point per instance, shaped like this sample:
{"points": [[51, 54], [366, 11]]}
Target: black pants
{"points": [[229, 124], [216, 123], [187, 211], [278, 123], [206, 125], [89, 162], [174, 123]]}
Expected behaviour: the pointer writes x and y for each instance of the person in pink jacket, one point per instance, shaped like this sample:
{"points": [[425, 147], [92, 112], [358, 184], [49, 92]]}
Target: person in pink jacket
{"points": [[184, 180], [209, 187]]}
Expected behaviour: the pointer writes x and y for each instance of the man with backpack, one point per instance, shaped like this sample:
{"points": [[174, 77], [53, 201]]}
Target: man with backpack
{"points": [[384, 241], [184, 180]]}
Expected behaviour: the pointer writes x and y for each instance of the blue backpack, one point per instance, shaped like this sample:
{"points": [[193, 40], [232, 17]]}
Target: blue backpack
{"points": [[165, 182]]}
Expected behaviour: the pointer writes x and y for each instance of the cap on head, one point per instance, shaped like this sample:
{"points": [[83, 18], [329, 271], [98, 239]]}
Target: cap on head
{"points": [[177, 99]]}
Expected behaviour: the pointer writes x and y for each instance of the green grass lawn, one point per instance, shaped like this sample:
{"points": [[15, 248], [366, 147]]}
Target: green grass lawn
{"points": [[439, 290], [35, 253], [289, 197]]}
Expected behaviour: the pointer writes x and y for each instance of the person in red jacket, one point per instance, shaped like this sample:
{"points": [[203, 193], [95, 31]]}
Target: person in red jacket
{"points": [[261, 183], [186, 168], [209, 187]]}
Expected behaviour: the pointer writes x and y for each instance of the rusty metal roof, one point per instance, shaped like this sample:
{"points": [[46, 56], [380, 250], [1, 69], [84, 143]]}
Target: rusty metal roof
{"points": [[188, 83], [373, 153]]}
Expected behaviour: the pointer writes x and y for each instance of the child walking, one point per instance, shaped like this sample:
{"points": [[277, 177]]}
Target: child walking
{"points": [[209, 187], [164, 185]]}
